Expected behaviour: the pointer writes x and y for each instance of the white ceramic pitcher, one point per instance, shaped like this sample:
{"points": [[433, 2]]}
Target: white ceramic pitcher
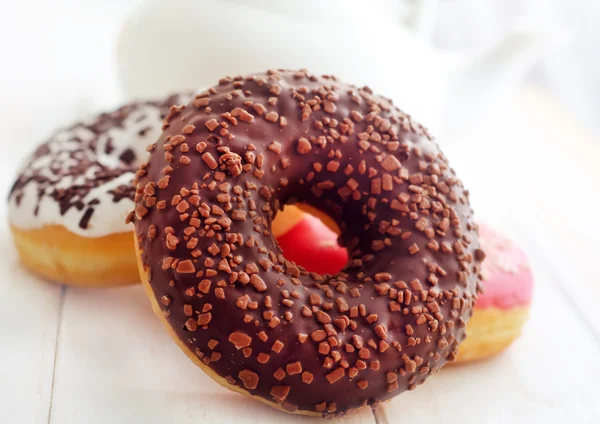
{"points": [[172, 45]]}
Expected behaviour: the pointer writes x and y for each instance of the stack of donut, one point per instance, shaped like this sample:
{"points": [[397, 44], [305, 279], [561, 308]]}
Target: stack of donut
{"points": [[313, 328]]}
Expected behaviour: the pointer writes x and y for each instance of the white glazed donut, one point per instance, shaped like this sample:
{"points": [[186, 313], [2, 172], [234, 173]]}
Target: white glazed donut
{"points": [[68, 205]]}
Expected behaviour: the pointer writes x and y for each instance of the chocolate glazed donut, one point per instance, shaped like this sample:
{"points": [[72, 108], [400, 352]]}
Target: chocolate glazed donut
{"points": [[259, 324]]}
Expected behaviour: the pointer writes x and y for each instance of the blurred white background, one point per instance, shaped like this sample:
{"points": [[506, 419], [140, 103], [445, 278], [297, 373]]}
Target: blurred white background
{"points": [[571, 73], [70, 44]]}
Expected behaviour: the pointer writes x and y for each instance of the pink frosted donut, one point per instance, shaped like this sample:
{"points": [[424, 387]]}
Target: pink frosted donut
{"points": [[500, 312], [313, 245], [502, 309], [508, 281]]}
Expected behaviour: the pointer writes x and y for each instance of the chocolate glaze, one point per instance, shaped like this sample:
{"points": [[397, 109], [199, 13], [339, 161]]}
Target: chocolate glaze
{"points": [[204, 205]]}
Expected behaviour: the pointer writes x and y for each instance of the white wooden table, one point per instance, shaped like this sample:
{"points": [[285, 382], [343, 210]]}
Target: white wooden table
{"points": [[100, 356]]}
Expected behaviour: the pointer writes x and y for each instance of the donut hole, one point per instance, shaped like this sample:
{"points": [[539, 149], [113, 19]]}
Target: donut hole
{"points": [[309, 237]]}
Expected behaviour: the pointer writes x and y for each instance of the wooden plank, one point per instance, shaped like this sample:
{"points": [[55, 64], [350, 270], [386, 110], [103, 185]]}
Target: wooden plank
{"points": [[29, 313], [549, 375], [117, 364]]}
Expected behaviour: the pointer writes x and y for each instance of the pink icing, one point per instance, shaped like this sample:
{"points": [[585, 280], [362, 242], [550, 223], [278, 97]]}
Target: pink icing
{"points": [[507, 277]]}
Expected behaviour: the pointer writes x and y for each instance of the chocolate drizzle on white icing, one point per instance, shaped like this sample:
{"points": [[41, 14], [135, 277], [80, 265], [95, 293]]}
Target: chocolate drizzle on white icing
{"points": [[80, 178]]}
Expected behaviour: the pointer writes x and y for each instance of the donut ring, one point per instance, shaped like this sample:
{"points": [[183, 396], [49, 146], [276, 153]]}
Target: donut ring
{"points": [[68, 204], [260, 325]]}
